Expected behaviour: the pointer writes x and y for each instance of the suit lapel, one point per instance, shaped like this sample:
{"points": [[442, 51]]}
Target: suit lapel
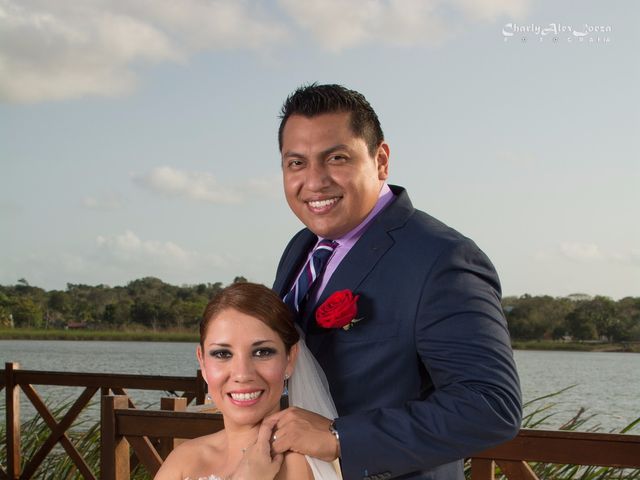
{"points": [[293, 258], [366, 253]]}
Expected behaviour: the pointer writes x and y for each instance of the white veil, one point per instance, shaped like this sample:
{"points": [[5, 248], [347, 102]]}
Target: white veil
{"points": [[309, 389]]}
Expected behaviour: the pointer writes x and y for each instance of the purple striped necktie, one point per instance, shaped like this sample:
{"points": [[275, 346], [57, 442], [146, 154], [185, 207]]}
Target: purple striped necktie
{"points": [[311, 271]]}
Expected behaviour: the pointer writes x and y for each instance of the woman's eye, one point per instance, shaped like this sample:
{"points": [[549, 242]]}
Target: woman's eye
{"points": [[264, 352], [220, 354]]}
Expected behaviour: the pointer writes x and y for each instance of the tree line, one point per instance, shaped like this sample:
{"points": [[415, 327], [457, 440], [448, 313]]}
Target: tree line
{"points": [[147, 302], [153, 304]]}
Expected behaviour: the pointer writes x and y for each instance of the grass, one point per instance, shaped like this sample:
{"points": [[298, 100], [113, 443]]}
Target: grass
{"points": [[575, 346], [104, 335], [192, 336]]}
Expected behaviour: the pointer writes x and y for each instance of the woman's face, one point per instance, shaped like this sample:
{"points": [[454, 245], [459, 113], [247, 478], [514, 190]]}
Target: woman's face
{"points": [[244, 363]]}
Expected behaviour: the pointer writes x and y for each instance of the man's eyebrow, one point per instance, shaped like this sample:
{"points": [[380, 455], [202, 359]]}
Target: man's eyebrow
{"points": [[340, 146], [325, 152], [289, 154]]}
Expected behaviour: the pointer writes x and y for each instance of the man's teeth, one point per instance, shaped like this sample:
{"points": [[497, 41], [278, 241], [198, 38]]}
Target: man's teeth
{"points": [[322, 203], [243, 397]]}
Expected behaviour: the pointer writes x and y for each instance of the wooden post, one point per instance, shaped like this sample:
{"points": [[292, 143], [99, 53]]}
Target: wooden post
{"points": [[175, 404], [13, 420], [517, 470], [201, 388], [482, 469], [114, 448]]}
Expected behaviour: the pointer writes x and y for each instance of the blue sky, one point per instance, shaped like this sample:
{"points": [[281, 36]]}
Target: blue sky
{"points": [[139, 138]]}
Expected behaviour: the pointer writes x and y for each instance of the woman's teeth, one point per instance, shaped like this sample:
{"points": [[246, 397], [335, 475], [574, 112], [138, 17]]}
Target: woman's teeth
{"points": [[243, 397]]}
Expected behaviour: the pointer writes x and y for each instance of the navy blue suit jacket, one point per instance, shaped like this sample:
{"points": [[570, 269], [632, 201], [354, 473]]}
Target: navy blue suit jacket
{"points": [[427, 376]]}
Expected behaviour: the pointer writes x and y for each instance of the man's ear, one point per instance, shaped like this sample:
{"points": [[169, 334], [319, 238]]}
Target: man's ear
{"points": [[382, 161]]}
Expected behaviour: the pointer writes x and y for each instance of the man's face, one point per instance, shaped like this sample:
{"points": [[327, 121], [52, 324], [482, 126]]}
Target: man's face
{"points": [[331, 181]]}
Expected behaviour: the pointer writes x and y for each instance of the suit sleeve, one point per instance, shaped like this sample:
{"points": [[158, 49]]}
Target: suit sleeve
{"points": [[462, 340]]}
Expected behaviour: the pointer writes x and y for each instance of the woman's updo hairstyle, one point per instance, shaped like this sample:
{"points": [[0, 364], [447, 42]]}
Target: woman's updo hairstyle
{"points": [[256, 301]]}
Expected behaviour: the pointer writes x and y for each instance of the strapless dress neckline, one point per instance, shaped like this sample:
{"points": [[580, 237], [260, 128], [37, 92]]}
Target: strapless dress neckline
{"points": [[210, 477]]}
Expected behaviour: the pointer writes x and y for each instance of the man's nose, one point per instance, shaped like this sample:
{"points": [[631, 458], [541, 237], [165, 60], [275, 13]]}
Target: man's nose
{"points": [[317, 176]]}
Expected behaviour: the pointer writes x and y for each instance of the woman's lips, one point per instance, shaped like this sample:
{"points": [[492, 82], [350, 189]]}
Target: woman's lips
{"points": [[245, 398]]}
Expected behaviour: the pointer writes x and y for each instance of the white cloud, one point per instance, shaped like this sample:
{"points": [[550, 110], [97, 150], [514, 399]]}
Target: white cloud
{"points": [[64, 50], [341, 24], [588, 253], [117, 259], [202, 186], [580, 251], [106, 202], [211, 24], [193, 185], [128, 249], [489, 10], [129, 246], [60, 50], [265, 187]]}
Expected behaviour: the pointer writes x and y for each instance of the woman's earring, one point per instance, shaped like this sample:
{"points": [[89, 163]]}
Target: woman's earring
{"points": [[208, 400], [284, 399]]}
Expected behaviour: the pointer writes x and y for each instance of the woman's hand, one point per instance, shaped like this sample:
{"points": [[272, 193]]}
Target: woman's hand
{"points": [[303, 432], [257, 462]]}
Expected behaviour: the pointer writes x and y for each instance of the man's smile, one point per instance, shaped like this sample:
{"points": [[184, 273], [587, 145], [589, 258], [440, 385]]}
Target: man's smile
{"points": [[321, 206]]}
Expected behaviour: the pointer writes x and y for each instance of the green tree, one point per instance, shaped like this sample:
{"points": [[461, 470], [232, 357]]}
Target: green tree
{"points": [[583, 322], [6, 319], [26, 313]]}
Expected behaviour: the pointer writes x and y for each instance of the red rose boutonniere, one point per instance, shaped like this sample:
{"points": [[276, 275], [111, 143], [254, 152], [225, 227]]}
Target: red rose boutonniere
{"points": [[338, 311]]}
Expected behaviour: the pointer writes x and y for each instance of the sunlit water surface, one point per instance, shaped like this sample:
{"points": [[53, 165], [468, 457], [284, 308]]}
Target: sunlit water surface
{"points": [[606, 384]]}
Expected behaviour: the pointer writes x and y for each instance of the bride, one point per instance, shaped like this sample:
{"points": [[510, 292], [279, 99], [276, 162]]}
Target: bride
{"points": [[249, 349]]}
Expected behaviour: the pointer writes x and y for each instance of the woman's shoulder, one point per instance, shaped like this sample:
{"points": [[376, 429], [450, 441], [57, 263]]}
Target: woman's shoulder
{"points": [[198, 454], [295, 467]]}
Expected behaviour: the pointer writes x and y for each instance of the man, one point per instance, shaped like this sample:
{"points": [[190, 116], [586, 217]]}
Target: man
{"points": [[425, 376]]}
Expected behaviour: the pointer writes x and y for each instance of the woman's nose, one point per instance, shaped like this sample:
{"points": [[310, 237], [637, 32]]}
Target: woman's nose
{"points": [[243, 369]]}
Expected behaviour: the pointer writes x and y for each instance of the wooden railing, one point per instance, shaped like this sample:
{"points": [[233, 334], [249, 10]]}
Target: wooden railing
{"points": [[124, 428], [558, 447], [14, 380]]}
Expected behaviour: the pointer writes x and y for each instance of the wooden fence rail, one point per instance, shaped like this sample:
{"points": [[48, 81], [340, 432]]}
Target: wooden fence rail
{"points": [[123, 426], [14, 380], [560, 447]]}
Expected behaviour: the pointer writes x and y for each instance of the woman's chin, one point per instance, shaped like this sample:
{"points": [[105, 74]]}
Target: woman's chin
{"points": [[247, 415]]}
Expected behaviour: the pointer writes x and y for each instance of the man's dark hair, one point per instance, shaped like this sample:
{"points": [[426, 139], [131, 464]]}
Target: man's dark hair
{"points": [[314, 99]]}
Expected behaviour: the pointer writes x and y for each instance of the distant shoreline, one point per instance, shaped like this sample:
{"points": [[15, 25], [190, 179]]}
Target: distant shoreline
{"points": [[188, 336], [631, 347], [101, 335]]}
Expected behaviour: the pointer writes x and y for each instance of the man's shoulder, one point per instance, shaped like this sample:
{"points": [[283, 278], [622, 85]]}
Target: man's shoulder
{"points": [[417, 224], [302, 237]]}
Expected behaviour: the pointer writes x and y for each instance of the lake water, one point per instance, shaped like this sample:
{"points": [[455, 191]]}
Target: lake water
{"points": [[607, 384]]}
